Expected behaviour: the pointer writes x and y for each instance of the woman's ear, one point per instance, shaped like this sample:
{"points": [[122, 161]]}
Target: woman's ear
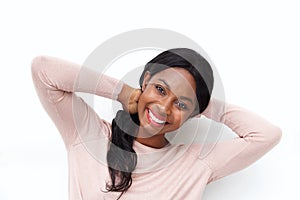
{"points": [[146, 80]]}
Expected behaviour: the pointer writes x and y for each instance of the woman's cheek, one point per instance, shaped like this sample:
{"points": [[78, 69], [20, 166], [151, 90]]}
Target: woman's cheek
{"points": [[150, 96], [180, 116]]}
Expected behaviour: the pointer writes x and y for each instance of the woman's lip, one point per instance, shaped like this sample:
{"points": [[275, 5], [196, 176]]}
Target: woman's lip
{"points": [[152, 121], [158, 116]]}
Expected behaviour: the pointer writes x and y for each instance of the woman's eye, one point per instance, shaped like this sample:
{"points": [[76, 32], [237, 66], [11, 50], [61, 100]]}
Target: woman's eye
{"points": [[182, 105], [160, 89]]}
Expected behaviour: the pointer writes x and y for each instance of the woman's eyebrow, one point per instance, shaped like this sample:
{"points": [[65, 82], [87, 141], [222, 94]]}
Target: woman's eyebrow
{"points": [[187, 99], [168, 86], [181, 97]]}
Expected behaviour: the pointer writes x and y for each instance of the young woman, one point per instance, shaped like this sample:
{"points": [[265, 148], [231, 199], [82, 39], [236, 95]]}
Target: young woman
{"points": [[140, 163]]}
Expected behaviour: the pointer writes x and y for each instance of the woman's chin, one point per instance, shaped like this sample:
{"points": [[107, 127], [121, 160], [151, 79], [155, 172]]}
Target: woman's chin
{"points": [[150, 130]]}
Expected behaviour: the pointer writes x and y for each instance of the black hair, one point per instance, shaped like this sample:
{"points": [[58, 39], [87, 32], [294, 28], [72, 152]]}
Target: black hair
{"points": [[125, 126]]}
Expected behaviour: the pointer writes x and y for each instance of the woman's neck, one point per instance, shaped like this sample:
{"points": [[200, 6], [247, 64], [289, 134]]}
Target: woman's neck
{"points": [[156, 141]]}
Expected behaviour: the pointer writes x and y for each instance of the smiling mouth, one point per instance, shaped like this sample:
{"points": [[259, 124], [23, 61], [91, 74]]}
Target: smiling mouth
{"points": [[154, 120]]}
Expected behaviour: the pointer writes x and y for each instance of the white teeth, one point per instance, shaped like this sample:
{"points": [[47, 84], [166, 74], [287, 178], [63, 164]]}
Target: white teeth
{"points": [[155, 119]]}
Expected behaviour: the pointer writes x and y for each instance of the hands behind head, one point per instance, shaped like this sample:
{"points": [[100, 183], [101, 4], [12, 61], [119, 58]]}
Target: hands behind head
{"points": [[129, 98], [132, 106]]}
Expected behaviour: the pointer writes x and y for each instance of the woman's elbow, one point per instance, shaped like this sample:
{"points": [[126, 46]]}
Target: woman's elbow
{"points": [[36, 63], [275, 135]]}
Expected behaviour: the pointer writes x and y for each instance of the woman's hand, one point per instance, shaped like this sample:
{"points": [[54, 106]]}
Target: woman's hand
{"points": [[129, 98]]}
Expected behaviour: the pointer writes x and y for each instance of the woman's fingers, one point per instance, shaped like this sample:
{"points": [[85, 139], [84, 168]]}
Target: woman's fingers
{"points": [[133, 102]]}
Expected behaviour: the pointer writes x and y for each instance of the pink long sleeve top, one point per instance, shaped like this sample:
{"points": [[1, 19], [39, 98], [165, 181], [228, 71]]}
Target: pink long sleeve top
{"points": [[174, 172]]}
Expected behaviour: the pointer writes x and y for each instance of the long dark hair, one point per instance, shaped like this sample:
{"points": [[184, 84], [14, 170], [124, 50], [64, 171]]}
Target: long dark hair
{"points": [[121, 157]]}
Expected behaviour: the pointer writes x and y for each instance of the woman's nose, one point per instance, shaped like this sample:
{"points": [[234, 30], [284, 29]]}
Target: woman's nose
{"points": [[165, 108]]}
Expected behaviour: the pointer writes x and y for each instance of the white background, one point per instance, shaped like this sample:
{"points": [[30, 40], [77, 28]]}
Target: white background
{"points": [[254, 45]]}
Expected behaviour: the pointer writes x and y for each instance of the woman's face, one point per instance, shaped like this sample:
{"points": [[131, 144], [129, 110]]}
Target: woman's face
{"points": [[167, 101]]}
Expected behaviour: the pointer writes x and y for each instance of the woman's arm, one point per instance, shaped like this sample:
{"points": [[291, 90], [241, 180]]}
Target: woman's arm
{"points": [[56, 81], [256, 136]]}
